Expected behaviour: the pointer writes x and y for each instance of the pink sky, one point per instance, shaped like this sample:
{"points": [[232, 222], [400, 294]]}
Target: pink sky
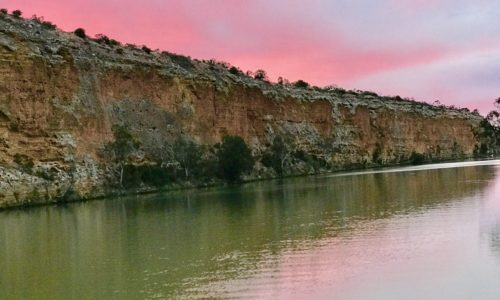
{"points": [[425, 49]]}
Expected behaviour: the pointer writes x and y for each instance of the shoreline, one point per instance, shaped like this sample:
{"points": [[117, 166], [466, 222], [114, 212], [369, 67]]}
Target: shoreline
{"points": [[187, 187]]}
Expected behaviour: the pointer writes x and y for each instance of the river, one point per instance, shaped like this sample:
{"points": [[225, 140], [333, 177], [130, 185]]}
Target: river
{"points": [[426, 232]]}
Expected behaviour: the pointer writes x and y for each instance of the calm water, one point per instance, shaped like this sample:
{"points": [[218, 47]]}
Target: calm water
{"points": [[429, 232]]}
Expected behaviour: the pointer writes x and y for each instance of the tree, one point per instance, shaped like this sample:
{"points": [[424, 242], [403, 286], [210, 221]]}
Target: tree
{"points": [[279, 153], [187, 154], [80, 32], [260, 75], [235, 71], [119, 152], [234, 158], [283, 81], [494, 118], [17, 13], [301, 84]]}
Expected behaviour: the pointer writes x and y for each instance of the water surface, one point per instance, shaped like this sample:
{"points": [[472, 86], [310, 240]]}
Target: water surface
{"points": [[427, 232]]}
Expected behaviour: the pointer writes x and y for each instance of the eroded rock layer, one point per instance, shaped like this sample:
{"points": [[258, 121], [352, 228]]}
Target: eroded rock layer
{"points": [[61, 94]]}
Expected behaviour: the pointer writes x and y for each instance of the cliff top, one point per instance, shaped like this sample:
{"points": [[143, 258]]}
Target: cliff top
{"points": [[44, 40]]}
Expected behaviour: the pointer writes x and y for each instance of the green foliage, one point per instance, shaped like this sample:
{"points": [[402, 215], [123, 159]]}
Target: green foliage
{"points": [[377, 154], [48, 25], [24, 162], [301, 84], [103, 39], [124, 143], [234, 158], [260, 75], [118, 153], [235, 71], [417, 158], [149, 175], [283, 81], [45, 24], [482, 150], [188, 155], [80, 32], [181, 60], [17, 13], [311, 160], [278, 154], [369, 93]]}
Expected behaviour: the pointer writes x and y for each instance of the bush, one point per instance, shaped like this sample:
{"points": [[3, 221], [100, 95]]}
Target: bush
{"points": [[103, 39], [234, 158], [148, 175], [235, 71], [417, 158], [146, 49], [45, 24], [301, 84], [283, 81], [17, 13], [181, 60], [48, 25], [80, 32], [4, 11], [260, 75], [187, 154], [377, 154], [278, 154]]}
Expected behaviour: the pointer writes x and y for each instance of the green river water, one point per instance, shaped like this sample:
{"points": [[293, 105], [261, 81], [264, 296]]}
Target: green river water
{"points": [[426, 232]]}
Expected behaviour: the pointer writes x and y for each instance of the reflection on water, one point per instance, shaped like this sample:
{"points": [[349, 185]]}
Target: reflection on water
{"points": [[426, 232]]}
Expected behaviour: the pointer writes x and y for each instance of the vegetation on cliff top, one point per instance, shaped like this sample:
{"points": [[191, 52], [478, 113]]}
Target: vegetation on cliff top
{"points": [[280, 89]]}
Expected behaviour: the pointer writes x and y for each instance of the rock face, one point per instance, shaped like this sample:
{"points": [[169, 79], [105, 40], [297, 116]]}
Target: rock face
{"points": [[61, 94]]}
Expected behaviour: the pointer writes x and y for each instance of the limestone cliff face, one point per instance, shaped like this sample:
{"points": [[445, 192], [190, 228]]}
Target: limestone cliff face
{"points": [[60, 96]]}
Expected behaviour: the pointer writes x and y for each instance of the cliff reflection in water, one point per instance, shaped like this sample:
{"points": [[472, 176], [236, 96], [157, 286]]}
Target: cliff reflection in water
{"points": [[257, 240]]}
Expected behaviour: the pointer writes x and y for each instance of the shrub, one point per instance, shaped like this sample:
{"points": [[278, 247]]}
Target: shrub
{"points": [[146, 49], [149, 175], [80, 32], [278, 155], [187, 154], [4, 11], [260, 75], [301, 84], [283, 81], [43, 23], [181, 60], [417, 158], [119, 152], [102, 39], [235, 71], [234, 158], [48, 25], [17, 13], [377, 154]]}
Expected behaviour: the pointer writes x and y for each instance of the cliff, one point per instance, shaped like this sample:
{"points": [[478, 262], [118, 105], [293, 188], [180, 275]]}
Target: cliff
{"points": [[61, 94]]}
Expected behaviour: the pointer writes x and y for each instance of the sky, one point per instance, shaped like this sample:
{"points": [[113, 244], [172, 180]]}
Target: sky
{"points": [[446, 50]]}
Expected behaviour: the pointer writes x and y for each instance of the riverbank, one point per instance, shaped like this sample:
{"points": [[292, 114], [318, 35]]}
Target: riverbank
{"points": [[113, 192]]}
